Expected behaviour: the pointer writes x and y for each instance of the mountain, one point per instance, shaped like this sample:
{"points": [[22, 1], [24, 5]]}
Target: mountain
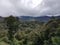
{"points": [[26, 18], [40, 18]]}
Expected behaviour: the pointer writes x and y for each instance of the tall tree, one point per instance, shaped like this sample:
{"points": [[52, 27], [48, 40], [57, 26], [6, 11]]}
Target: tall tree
{"points": [[12, 24]]}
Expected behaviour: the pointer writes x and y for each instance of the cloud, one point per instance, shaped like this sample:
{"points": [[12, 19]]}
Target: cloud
{"points": [[52, 7], [26, 8]]}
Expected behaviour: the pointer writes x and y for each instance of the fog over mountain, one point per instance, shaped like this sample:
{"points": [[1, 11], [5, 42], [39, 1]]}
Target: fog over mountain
{"points": [[29, 7]]}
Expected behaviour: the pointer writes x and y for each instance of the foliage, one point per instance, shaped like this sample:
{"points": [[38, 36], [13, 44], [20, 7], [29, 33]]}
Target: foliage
{"points": [[30, 33]]}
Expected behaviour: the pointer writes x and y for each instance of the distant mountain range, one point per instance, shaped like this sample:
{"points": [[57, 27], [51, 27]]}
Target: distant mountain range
{"points": [[40, 18], [31, 18]]}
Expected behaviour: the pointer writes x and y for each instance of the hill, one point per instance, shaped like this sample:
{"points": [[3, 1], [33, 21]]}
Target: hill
{"points": [[40, 18]]}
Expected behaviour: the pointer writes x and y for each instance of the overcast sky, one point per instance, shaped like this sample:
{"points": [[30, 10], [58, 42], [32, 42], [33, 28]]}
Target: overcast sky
{"points": [[29, 7]]}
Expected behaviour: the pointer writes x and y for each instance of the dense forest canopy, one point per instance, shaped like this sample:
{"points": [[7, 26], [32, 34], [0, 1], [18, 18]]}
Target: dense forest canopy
{"points": [[16, 32]]}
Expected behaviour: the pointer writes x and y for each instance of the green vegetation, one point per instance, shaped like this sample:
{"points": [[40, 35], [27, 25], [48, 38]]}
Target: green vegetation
{"points": [[15, 32]]}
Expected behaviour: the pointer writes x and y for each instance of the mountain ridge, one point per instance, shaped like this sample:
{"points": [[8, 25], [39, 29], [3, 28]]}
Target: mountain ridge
{"points": [[39, 18]]}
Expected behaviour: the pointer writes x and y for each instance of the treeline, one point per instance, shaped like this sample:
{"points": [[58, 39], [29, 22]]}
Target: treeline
{"points": [[15, 32]]}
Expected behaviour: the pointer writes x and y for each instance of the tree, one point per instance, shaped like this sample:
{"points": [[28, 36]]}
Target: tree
{"points": [[12, 24]]}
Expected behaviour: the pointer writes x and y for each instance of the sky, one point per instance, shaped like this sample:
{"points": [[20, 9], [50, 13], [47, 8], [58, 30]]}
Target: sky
{"points": [[29, 7]]}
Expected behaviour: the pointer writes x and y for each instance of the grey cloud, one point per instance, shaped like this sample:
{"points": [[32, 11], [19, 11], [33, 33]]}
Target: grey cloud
{"points": [[54, 7], [20, 7]]}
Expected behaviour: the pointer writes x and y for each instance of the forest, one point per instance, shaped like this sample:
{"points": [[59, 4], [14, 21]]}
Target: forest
{"points": [[16, 32]]}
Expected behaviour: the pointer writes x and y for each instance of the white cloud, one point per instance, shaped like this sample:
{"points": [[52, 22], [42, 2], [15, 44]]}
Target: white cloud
{"points": [[27, 7]]}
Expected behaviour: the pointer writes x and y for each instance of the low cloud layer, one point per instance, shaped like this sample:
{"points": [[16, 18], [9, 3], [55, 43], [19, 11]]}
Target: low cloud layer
{"points": [[26, 8]]}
